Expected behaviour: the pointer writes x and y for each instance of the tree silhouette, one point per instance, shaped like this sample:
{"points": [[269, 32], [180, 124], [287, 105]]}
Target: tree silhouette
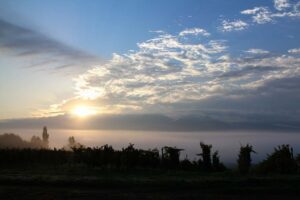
{"points": [[10, 140], [205, 162], [71, 141], [216, 163], [186, 164], [298, 162], [36, 142], [244, 159], [170, 156], [14, 151], [130, 156], [280, 161], [73, 144], [45, 137]]}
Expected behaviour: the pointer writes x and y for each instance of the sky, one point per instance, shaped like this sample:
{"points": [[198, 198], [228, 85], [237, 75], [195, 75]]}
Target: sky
{"points": [[151, 64]]}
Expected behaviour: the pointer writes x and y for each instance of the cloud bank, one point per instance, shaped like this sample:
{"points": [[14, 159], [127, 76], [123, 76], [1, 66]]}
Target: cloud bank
{"points": [[178, 76], [148, 122]]}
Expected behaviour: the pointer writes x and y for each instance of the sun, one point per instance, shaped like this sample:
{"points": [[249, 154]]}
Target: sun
{"points": [[83, 111]]}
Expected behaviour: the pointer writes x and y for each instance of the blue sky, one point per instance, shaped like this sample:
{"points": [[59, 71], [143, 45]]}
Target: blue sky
{"points": [[228, 60], [106, 27]]}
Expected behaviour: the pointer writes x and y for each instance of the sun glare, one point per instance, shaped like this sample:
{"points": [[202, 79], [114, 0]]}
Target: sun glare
{"points": [[83, 111]]}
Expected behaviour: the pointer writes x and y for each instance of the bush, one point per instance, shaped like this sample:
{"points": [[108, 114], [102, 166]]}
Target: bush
{"points": [[280, 161], [244, 159]]}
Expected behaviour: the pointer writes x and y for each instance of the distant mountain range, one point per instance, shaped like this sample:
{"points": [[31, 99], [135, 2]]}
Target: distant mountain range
{"points": [[147, 122]]}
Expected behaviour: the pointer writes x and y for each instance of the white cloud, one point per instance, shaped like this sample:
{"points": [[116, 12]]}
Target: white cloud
{"points": [[283, 8], [281, 4], [194, 31], [294, 51], [257, 51], [157, 31], [260, 15], [166, 71], [236, 25], [253, 10]]}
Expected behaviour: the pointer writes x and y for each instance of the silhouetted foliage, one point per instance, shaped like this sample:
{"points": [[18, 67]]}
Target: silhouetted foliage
{"points": [[130, 156], [186, 164], [280, 161], [244, 159], [36, 142], [170, 156], [205, 162], [45, 137], [216, 163], [14, 151], [297, 159], [10, 140], [209, 162], [73, 144]]}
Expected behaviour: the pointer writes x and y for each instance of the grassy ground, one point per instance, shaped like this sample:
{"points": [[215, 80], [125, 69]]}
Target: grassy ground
{"points": [[85, 183]]}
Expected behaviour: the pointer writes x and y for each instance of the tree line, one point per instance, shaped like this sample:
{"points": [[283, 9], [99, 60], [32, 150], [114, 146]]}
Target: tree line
{"points": [[37, 152]]}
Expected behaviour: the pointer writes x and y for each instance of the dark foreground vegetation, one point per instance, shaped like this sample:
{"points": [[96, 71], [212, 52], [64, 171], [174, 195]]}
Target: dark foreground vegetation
{"points": [[79, 172]]}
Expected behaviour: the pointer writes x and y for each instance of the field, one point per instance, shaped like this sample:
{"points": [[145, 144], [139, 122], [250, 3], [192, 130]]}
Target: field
{"points": [[80, 182]]}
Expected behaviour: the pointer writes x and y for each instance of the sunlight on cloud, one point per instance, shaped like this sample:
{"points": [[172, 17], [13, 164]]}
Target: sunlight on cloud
{"points": [[168, 70], [84, 111]]}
